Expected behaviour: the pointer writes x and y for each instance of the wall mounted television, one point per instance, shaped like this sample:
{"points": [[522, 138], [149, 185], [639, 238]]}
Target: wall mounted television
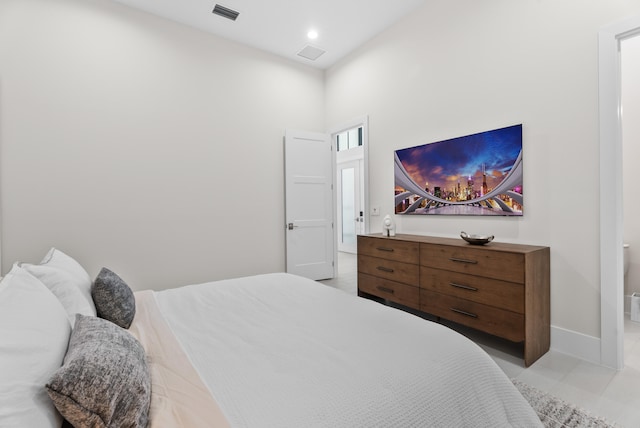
{"points": [[478, 174]]}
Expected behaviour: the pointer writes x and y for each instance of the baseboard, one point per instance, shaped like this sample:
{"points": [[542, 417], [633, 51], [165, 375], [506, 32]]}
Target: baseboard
{"points": [[576, 344]]}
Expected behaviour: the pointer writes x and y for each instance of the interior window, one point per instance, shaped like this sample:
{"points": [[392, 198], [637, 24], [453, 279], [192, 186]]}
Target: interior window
{"points": [[349, 139]]}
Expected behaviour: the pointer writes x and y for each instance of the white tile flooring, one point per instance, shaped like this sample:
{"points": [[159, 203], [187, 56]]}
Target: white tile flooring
{"points": [[613, 395]]}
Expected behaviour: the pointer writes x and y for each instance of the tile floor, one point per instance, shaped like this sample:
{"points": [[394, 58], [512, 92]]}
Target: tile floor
{"points": [[613, 395]]}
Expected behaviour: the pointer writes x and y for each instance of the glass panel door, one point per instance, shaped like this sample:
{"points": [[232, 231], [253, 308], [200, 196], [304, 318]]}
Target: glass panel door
{"points": [[350, 215], [348, 236]]}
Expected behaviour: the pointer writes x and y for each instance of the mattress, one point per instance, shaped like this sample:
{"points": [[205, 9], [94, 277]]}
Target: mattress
{"points": [[278, 350]]}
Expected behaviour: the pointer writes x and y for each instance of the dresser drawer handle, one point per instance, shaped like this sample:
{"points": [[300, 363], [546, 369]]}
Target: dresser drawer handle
{"points": [[388, 250], [385, 269], [385, 289], [457, 260], [465, 313], [464, 287]]}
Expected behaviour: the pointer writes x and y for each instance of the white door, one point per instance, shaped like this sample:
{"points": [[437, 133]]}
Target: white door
{"points": [[309, 204], [350, 205]]}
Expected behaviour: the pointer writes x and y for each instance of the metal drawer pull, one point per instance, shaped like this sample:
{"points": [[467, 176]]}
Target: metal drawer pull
{"points": [[455, 259], [385, 289], [388, 250], [464, 287], [469, 314], [385, 269]]}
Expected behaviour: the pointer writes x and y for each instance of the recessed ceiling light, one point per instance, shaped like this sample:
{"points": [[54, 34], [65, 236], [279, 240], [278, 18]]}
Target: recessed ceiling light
{"points": [[312, 34]]}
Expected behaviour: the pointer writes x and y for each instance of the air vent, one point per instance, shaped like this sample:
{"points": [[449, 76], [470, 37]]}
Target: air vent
{"points": [[311, 52], [225, 12]]}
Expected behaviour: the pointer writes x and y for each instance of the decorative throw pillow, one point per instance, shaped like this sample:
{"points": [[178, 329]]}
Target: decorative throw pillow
{"points": [[113, 298], [34, 334], [67, 280], [105, 379]]}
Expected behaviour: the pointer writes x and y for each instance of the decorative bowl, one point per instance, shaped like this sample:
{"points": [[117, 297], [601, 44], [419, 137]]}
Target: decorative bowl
{"points": [[476, 239]]}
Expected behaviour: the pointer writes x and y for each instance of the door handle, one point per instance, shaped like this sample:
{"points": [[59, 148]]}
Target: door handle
{"points": [[290, 226]]}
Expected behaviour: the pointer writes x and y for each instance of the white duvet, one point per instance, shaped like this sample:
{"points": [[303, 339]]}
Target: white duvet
{"points": [[280, 351]]}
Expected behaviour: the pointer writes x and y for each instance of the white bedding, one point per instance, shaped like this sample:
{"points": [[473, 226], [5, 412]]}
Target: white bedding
{"points": [[282, 351]]}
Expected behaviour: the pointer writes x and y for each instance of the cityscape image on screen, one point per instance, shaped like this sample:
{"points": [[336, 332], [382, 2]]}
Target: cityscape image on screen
{"points": [[478, 174]]}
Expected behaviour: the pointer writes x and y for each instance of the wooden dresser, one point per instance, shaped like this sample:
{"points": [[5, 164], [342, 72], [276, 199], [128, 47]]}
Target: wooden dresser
{"points": [[501, 289]]}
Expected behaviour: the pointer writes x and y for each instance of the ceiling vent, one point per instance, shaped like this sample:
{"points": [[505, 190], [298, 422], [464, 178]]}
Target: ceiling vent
{"points": [[225, 12], [310, 52]]}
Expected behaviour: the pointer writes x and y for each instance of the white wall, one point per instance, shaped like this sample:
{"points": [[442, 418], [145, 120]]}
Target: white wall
{"points": [[139, 144], [458, 67], [630, 69]]}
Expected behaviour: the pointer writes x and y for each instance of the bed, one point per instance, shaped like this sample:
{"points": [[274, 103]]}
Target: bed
{"points": [[273, 350]]}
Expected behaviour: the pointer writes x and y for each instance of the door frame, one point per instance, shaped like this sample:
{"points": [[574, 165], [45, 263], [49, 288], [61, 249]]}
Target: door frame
{"points": [[363, 122], [611, 206]]}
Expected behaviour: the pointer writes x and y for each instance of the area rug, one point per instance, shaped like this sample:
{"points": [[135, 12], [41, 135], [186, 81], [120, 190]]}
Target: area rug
{"points": [[555, 413]]}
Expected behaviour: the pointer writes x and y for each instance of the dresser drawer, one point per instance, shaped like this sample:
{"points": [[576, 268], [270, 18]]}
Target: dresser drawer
{"points": [[397, 292], [483, 262], [389, 248], [498, 322], [492, 292], [389, 269]]}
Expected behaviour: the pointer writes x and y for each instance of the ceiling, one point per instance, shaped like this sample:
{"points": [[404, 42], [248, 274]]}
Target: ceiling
{"points": [[281, 26]]}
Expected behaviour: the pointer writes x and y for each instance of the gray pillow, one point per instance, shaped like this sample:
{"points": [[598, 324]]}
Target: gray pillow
{"points": [[113, 298], [104, 380]]}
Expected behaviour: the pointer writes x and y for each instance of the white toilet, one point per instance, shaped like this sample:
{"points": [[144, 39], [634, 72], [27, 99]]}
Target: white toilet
{"points": [[635, 297]]}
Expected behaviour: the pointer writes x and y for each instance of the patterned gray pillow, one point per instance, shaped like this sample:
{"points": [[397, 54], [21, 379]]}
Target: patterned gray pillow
{"points": [[113, 298], [104, 380]]}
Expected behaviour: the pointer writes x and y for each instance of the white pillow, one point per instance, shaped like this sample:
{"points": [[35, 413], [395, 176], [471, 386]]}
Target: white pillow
{"points": [[34, 334], [67, 280]]}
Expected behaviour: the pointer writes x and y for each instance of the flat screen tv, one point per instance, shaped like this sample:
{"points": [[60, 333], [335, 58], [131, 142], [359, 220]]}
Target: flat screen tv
{"points": [[479, 174]]}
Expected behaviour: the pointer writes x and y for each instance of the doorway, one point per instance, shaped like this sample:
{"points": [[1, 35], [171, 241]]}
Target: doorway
{"points": [[350, 191], [611, 195], [352, 219]]}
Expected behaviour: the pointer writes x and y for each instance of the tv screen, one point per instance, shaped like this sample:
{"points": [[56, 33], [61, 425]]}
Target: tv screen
{"points": [[479, 174]]}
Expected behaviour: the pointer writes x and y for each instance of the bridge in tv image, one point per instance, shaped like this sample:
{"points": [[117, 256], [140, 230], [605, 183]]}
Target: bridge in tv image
{"points": [[447, 192]]}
